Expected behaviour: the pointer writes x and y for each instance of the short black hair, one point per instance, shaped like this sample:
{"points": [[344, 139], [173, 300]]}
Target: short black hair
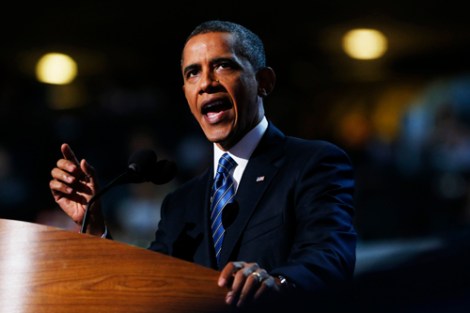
{"points": [[250, 45]]}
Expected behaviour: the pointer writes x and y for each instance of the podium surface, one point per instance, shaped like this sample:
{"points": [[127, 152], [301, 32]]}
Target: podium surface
{"points": [[47, 269]]}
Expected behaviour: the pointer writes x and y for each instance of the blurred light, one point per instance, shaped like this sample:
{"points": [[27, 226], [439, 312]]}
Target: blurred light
{"points": [[65, 97], [390, 107], [56, 68], [354, 129], [364, 43]]}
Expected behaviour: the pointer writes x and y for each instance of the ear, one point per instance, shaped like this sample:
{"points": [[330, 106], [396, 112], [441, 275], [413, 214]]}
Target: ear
{"points": [[266, 81]]}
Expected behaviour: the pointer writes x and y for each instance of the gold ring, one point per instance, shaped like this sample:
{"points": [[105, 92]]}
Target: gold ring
{"points": [[258, 276]]}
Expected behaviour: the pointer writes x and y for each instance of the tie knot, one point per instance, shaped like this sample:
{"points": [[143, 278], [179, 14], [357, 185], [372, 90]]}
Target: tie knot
{"points": [[226, 163]]}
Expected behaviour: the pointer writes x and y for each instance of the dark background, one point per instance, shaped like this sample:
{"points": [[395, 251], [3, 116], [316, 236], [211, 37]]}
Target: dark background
{"points": [[403, 118]]}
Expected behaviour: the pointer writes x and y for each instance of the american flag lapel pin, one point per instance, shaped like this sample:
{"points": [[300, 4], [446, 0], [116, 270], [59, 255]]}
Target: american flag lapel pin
{"points": [[259, 179]]}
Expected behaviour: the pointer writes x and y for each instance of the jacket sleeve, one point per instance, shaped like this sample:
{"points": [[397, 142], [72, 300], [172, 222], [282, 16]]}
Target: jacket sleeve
{"points": [[324, 248]]}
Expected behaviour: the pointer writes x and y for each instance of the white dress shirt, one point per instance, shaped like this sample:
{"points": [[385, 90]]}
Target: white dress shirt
{"points": [[241, 152]]}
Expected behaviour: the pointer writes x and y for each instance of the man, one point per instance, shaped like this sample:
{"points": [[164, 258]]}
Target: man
{"points": [[288, 224]]}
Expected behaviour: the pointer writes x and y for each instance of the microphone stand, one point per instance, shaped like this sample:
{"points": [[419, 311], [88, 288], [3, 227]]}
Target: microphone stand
{"points": [[96, 196], [159, 172]]}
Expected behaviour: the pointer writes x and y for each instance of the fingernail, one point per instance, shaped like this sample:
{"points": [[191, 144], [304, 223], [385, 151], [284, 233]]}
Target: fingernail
{"points": [[229, 298]]}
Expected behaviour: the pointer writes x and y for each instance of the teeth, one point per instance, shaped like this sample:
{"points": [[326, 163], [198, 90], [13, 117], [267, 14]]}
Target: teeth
{"points": [[210, 106], [213, 104]]}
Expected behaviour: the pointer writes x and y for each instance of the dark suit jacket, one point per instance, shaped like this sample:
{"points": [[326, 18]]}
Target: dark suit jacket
{"points": [[293, 214]]}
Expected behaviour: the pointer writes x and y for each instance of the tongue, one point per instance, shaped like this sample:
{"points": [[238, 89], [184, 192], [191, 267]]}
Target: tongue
{"points": [[214, 116]]}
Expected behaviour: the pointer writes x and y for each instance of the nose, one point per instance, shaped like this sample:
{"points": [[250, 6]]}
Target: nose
{"points": [[208, 82]]}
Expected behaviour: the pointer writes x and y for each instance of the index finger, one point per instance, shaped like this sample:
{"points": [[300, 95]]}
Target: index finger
{"points": [[228, 271], [68, 153]]}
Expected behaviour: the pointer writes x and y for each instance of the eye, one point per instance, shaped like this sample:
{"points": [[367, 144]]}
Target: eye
{"points": [[191, 73], [224, 65]]}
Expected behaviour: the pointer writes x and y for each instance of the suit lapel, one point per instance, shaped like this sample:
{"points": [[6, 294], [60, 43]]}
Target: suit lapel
{"points": [[197, 218], [259, 173]]}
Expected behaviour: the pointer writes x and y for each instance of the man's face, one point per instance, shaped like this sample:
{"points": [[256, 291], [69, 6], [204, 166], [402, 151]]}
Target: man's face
{"points": [[221, 88]]}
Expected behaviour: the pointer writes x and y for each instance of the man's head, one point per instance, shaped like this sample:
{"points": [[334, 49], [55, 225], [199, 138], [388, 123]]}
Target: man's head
{"points": [[225, 79]]}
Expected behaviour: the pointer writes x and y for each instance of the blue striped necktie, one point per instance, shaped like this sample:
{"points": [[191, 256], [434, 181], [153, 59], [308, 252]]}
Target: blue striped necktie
{"points": [[222, 194]]}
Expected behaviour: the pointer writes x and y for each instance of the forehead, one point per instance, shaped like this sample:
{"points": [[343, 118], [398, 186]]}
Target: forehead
{"points": [[207, 46]]}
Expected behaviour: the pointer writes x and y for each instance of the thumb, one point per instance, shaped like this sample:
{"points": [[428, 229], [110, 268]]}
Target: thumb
{"points": [[88, 170]]}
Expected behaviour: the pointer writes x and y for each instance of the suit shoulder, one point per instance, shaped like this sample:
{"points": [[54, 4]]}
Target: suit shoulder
{"points": [[190, 186]]}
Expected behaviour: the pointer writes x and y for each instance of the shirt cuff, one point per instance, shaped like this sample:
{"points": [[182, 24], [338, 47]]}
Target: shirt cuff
{"points": [[105, 234]]}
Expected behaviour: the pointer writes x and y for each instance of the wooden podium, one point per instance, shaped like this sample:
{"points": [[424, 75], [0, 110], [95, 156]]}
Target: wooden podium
{"points": [[47, 269]]}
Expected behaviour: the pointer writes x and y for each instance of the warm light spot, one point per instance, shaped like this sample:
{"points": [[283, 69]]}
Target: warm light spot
{"points": [[56, 68], [365, 43], [354, 129]]}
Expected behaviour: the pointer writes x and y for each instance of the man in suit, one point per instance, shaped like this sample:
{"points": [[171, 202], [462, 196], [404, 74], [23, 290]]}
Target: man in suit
{"points": [[288, 225]]}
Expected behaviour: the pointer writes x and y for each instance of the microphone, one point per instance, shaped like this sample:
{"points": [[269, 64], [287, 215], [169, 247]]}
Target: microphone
{"points": [[143, 167]]}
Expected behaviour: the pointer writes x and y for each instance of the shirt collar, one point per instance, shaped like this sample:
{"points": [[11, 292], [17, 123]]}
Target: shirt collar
{"points": [[242, 150]]}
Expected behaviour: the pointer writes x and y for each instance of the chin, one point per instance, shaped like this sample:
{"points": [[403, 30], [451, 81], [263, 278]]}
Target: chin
{"points": [[216, 139], [217, 135]]}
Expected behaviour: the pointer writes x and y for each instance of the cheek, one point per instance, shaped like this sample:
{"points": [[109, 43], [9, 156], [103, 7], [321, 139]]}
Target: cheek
{"points": [[246, 99], [194, 110], [191, 102]]}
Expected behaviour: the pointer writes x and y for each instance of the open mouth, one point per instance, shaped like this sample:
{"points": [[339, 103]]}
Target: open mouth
{"points": [[216, 107]]}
